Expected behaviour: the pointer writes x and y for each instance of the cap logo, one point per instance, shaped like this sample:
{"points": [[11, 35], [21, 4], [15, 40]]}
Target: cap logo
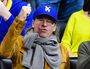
{"points": [[47, 8]]}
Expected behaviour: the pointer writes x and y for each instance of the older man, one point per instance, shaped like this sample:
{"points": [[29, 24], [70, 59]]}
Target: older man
{"points": [[39, 43]]}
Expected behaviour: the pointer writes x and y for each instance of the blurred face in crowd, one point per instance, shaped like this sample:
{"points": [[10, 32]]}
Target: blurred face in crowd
{"points": [[44, 25]]}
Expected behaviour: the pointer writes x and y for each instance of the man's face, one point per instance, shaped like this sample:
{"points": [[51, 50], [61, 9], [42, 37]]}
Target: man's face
{"points": [[44, 26]]}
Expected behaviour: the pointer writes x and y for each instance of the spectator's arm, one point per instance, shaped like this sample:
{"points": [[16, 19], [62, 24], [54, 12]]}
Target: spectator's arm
{"points": [[6, 48]]}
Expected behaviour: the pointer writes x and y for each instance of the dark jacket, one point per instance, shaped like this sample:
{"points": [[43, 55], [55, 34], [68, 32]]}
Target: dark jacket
{"points": [[84, 56]]}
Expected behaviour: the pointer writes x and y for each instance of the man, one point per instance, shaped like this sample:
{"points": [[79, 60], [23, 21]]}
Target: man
{"points": [[14, 7], [44, 26]]}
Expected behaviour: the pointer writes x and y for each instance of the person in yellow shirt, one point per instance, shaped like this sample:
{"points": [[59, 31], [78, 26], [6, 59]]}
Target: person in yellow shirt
{"points": [[77, 30], [14, 46]]}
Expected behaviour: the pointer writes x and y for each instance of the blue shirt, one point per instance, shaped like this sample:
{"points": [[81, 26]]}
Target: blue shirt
{"points": [[67, 7]]}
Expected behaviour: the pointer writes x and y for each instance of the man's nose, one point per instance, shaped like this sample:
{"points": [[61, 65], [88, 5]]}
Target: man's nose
{"points": [[45, 23]]}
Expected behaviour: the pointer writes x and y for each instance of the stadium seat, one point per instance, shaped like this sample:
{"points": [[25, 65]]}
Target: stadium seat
{"points": [[5, 63], [73, 63], [61, 26]]}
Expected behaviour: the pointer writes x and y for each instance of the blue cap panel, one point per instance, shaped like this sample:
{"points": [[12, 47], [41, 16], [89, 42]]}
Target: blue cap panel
{"points": [[46, 10]]}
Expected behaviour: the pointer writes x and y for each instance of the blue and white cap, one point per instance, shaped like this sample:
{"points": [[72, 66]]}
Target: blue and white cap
{"points": [[46, 10]]}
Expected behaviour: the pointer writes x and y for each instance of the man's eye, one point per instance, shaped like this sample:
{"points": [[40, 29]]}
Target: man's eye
{"points": [[40, 19], [49, 21]]}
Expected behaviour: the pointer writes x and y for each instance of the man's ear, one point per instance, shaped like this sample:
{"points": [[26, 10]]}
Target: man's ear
{"points": [[54, 29], [33, 23]]}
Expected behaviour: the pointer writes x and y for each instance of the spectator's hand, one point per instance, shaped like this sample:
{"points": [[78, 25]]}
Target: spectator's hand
{"points": [[4, 12], [25, 11], [71, 54]]}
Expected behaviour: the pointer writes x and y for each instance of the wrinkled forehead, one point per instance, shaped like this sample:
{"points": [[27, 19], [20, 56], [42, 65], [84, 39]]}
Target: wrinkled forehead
{"points": [[45, 17]]}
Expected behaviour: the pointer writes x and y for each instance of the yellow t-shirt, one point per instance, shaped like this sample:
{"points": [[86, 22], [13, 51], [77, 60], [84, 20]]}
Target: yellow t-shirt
{"points": [[77, 31]]}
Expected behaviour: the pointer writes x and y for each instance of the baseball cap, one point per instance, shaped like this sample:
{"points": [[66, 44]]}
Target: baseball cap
{"points": [[46, 10]]}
